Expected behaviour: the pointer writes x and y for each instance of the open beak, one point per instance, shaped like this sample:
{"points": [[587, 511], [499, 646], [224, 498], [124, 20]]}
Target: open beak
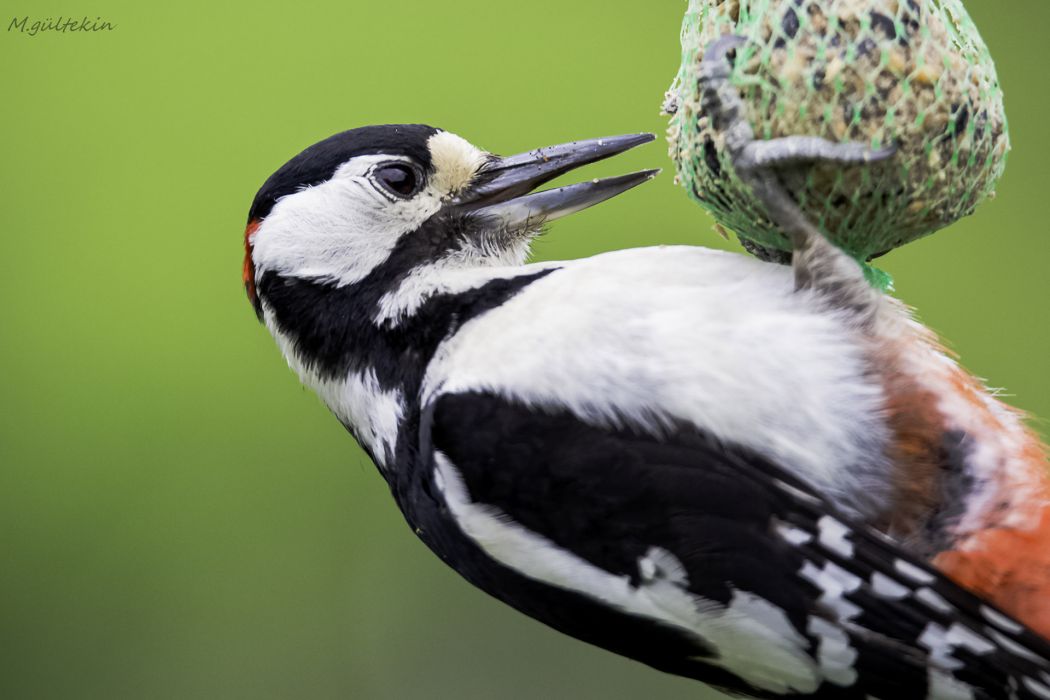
{"points": [[501, 189]]}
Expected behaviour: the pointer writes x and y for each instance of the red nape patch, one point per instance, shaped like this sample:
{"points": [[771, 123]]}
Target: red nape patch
{"points": [[249, 267]]}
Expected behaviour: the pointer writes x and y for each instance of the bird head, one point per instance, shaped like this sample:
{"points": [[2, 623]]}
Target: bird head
{"points": [[381, 200], [364, 250]]}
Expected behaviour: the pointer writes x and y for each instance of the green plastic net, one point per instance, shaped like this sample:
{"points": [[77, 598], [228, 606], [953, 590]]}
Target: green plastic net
{"points": [[911, 72]]}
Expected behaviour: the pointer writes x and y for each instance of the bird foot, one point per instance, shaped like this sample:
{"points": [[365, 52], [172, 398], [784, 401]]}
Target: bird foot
{"points": [[795, 151], [817, 263]]}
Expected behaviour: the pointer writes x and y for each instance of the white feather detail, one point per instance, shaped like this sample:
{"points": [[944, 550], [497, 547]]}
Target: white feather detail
{"points": [[357, 400], [341, 229], [1001, 621], [932, 599], [735, 631], [834, 583], [652, 336], [944, 686], [455, 161], [658, 563], [1036, 687], [913, 572], [834, 536], [461, 271], [791, 534], [835, 654], [1016, 648], [942, 643], [886, 587]]}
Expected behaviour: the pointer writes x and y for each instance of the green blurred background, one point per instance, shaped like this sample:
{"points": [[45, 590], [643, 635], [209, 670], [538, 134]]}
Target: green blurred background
{"points": [[178, 518]]}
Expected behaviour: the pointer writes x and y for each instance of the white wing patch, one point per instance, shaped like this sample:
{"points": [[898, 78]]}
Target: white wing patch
{"points": [[833, 536], [659, 564], [792, 535], [910, 571], [944, 686], [835, 654], [1016, 648], [966, 638], [941, 644], [933, 600], [1001, 621], [1036, 687], [837, 657], [886, 587], [736, 631], [835, 583]]}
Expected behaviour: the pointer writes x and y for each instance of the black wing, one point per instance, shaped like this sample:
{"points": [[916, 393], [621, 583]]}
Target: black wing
{"points": [[779, 581]]}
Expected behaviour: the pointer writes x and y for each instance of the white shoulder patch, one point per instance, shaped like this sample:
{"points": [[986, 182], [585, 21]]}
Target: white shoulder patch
{"points": [[654, 336]]}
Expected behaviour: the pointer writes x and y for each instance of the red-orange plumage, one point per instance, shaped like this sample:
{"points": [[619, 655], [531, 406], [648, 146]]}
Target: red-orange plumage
{"points": [[249, 266], [1010, 567], [1000, 546]]}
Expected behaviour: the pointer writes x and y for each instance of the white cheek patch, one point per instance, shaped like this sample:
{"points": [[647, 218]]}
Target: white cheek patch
{"points": [[338, 230], [455, 162]]}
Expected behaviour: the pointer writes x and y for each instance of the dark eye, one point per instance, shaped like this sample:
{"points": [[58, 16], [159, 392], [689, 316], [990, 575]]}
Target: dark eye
{"points": [[400, 179]]}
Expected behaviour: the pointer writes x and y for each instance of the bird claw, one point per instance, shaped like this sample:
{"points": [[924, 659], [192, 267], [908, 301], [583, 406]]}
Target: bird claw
{"points": [[793, 151], [817, 263], [716, 55]]}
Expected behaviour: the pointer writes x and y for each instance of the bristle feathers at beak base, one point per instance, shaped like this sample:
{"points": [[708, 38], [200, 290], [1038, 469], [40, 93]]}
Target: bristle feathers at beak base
{"points": [[503, 189]]}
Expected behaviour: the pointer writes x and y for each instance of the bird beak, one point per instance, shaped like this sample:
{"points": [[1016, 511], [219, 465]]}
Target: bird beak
{"points": [[501, 189]]}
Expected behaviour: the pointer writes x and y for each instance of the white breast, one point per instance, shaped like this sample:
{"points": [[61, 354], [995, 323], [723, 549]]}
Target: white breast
{"points": [[650, 336]]}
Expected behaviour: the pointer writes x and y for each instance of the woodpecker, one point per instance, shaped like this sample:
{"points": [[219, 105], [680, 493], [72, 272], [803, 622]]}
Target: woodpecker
{"points": [[768, 478]]}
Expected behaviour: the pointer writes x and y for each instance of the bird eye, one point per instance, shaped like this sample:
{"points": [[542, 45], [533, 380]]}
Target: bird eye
{"points": [[399, 178]]}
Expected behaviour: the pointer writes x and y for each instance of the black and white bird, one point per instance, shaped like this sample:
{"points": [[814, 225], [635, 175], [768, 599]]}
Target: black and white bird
{"points": [[688, 457]]}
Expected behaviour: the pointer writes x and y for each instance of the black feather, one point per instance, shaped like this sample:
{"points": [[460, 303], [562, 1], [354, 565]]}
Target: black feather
{"points": [[608, 495], [319, 162]]}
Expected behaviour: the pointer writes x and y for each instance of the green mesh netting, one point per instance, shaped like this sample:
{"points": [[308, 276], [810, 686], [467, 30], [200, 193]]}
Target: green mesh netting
{"points": [[913, 72]]}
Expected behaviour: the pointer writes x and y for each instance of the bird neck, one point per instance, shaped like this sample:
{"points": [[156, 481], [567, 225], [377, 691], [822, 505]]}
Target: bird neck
{"points": [[364, 348]]}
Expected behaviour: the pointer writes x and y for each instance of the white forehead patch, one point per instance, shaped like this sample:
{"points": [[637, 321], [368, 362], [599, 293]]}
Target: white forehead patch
{"points": [[455, 161]]}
